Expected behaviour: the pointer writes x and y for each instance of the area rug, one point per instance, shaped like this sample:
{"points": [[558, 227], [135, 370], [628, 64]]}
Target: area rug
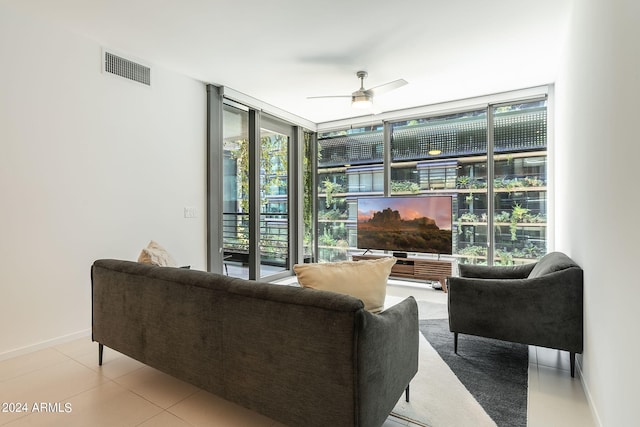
{"points": [[495, 372], [485, 384]]}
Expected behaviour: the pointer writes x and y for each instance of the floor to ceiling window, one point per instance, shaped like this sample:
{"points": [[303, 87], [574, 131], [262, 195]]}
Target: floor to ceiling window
{"points": [[491, 161], [446, 154], [519, 181], [349, 165]]}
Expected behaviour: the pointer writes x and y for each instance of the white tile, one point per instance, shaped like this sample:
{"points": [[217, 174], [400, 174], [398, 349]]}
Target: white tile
{"points": [[51, 384], [13, 417], [78, 347], [54, 384], [165, 419], [157, 387], [105, 406], [551, 358], [114, 364], [556, 399], [204, 409], [533, 380], [395, 422], [26, 363], [533, 355], [417, 290]]}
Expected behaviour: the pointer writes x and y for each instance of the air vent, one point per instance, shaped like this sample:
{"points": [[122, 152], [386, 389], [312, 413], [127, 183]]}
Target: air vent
{"points": [[122, 67]]}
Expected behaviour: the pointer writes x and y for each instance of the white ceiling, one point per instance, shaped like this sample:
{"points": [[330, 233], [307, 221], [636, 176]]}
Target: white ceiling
{"points": [[282, 51]]}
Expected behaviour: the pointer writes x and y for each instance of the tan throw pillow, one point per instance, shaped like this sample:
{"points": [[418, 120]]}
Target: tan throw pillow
{"points": [[365, 280], [155, 254]]}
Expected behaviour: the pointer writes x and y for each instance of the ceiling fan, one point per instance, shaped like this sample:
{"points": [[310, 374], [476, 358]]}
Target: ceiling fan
{"points": [[363, 98]]}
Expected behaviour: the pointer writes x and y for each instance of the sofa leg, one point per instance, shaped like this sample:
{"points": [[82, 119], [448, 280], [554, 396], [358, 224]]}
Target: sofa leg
{"points": [[406, 393], [100, 352], [455, 342], [572, 362]]}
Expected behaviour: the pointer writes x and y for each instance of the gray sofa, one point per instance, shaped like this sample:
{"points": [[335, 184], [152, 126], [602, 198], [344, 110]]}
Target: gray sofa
{"points": [[537, 304], [300, 356]]}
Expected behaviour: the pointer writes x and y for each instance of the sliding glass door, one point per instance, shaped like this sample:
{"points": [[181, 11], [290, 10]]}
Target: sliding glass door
{"points": [[255, 194], [235, 191], [274, 204]]}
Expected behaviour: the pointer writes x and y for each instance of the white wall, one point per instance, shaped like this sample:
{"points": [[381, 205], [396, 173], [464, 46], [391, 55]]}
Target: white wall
{"points": [[598, 173], [91, 166]]}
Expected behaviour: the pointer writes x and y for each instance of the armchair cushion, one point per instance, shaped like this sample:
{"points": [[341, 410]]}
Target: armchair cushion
{"points": [[550, 263], [498, 272]]}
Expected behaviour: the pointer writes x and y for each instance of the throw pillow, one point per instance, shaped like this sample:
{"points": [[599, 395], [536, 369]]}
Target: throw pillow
{"points": [[365, 280], [155, 254]]}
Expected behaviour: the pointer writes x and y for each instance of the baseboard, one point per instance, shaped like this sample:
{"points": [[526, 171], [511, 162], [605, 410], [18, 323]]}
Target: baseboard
{"points": [[587, 393], [44, 344]]}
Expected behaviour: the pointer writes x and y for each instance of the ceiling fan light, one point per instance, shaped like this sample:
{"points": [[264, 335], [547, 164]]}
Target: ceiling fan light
{"points": [[361, 101]]}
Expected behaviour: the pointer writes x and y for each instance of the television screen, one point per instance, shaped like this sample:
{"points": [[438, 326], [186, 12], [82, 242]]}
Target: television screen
{"points": [[407, 224]]}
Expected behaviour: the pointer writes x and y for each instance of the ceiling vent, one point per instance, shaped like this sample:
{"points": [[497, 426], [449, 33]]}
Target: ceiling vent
{"points": [[119, 66]]}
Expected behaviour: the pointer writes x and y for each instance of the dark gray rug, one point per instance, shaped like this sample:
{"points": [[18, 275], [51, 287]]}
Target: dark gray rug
{"points": [[495, 372]]}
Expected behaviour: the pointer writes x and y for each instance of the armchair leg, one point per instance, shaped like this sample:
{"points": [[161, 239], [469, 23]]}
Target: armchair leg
{"points": [[406, 394], [572, 362], [455, 342], [100, 352]]}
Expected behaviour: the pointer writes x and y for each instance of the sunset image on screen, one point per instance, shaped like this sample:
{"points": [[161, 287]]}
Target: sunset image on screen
{"points": [[409, 224]]}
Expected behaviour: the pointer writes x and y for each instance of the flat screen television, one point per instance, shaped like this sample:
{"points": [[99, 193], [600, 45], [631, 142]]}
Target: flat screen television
{"points": [[407, 224]]}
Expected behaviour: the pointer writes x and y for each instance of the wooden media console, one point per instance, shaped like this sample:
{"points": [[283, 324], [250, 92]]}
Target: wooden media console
{"points": [[417, 268]]}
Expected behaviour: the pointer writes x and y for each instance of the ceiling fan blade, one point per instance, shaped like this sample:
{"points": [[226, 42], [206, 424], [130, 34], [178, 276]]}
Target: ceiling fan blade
{"points": [[387, 87], [329, 96]]}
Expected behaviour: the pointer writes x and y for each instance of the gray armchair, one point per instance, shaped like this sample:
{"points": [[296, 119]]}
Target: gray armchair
{"points": [[536, 304]]}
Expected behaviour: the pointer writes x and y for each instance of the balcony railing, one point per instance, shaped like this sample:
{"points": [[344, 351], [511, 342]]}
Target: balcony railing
{"points": [[274, 232]]}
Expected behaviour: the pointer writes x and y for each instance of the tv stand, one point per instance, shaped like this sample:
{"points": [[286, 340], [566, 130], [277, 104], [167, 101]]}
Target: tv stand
{"points": [[417, 268]]}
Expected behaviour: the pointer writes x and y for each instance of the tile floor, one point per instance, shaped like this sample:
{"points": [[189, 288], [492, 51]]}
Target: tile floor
{"points": [[123, 392]]}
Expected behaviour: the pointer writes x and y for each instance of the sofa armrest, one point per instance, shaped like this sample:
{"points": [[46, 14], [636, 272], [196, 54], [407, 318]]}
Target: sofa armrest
{"points": [[387, 357], [496, 272], [544, 311]]}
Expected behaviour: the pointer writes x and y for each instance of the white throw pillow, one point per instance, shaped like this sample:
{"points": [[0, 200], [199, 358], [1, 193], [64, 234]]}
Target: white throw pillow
{"points": [[155, 254], [365, 280]]}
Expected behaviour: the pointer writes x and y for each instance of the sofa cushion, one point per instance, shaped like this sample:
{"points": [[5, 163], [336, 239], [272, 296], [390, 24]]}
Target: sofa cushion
{"points": [[365, 280], [550, 263], [155, 254]]}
